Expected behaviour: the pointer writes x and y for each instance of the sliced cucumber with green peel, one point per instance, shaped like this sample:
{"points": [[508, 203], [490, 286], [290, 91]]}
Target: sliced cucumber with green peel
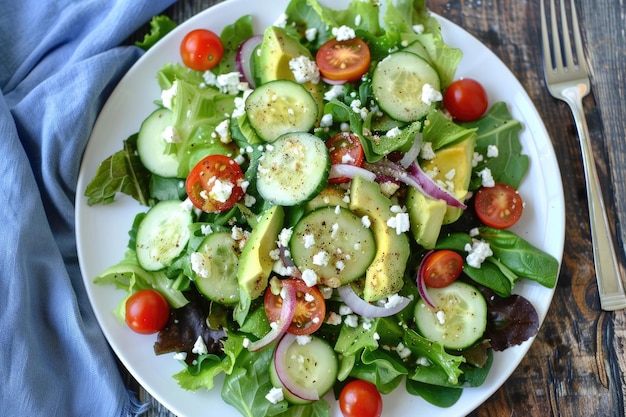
{"points": [[397, 84], [280, 107], [215, 268], [152, 146], [312, 365], [163, 234], [293, 169], [460, 318], [333, 242]]}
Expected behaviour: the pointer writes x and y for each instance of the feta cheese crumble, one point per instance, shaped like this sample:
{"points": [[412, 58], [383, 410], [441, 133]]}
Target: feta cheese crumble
{"points": [[343, 33], [304, 70], [478, 251], [430, 95]]}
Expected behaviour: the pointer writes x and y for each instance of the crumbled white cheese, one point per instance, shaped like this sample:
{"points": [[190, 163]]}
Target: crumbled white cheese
{"points": [[334, 230], [477, 159], [206, 229], [327, 292], [430, 95], [393, 301], [343, 33], [170, 134], [365, 220], [327, 120], [285, 236], [403, 351], [351, 320], [198, 264], [309, 240], [344, 310], [304, 69], [392, 133], [221, 190], [167, 96], [441, 316], [180, 356], [486, 177], [310, 34], [334, 319], [334, 92], [427, 152], [492, 151], [478, 251], [275, 395], [419, 29], [400, 222], [303, 340], [223, 131], [309, 277], [199, 348], [281, 20], [321, 258], [186, 205]]}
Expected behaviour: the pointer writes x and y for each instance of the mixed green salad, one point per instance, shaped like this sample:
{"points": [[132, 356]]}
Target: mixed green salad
{"points": [[328, 209]]}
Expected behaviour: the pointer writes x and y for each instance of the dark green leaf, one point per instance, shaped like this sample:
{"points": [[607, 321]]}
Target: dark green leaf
{"points": [[439, 396]]}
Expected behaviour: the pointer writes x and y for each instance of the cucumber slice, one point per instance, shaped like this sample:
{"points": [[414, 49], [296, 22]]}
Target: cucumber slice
{"points": [[397, 85], [333, 242], [312, 365], [293, 169], [280, 107], [162, 235], [460, 318], [152, 146], [214, 265]]}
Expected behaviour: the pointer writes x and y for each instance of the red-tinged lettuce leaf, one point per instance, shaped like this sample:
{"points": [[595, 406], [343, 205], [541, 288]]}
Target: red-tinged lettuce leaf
{"points": [[184, 327], [510, 321]]}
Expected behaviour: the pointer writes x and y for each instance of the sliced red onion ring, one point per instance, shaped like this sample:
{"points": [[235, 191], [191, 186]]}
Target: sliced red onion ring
{"points": [[421, 284], [243, 59], [411, 155], [415, 177], [333, 82], [350, 171], [365, 309], [286, 317], [280, 362]]}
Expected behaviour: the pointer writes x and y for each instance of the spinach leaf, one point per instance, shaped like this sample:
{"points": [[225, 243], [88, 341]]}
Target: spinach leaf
{"points": [[318, 408], [498, 128], [522, 258], [435, 353], [248, 384], [232, 36], [380, 368], [441, 131], [122, 172], [437, 395]]}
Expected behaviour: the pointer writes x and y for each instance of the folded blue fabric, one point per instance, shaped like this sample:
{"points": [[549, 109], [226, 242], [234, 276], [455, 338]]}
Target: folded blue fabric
{"points": [[59, 60]]}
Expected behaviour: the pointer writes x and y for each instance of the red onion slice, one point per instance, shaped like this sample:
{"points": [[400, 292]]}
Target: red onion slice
{"points": [[243, 59], [350, 171], [288, 293], [421, 285], [280, 362], [411, 155], [365, 309], [333, 82]]}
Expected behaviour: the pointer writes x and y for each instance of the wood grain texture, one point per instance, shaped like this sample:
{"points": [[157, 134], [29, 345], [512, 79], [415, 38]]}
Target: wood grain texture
{"points": [[576, 365]]}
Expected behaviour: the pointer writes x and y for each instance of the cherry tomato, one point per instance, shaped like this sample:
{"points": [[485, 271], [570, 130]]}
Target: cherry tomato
{"points": [[466, 99], [343, 60], [360, 399], [214, 184], [201, 50], [147, 311], [310, 307], [442, 268], [345, 148], [499, 206]]}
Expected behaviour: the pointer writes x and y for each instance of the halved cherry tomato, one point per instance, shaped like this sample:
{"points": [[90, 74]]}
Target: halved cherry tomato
{"points": [[201, 50], [343, 60], [466, 99], [442, 268], [310, 307], [499, 206], [214, 184], [147, 311], [345, 148], [360, 399]]}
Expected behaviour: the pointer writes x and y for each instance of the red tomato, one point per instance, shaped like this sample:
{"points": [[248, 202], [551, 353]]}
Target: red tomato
{"points": [[201, 50], [147, 311], [345, 148], [360, 399], [499, 206], [214, 184], [466, 100], [310, 307], [442, 268], [343, 60]]}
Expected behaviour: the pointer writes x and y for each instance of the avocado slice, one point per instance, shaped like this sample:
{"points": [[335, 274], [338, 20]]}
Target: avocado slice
{"points": [[255, 263], [384, 276], [332, 195], [426, 215], [277, 49]]}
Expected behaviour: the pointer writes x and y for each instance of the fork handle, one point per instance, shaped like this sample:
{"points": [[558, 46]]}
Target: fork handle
{"points": [[610, 287]]}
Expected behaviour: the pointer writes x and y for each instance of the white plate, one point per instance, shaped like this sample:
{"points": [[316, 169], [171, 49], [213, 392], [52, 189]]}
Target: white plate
{"points": [[102, 231]]}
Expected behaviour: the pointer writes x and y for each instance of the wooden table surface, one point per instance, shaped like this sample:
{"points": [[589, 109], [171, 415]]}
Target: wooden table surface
{"points": [[576, 365]]}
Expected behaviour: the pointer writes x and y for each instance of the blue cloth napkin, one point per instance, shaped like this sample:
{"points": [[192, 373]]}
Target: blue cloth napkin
{"points": [[59, 60]]}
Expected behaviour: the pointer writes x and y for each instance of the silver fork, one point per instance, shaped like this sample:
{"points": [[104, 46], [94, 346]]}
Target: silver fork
{"points": [[569, 81]]}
